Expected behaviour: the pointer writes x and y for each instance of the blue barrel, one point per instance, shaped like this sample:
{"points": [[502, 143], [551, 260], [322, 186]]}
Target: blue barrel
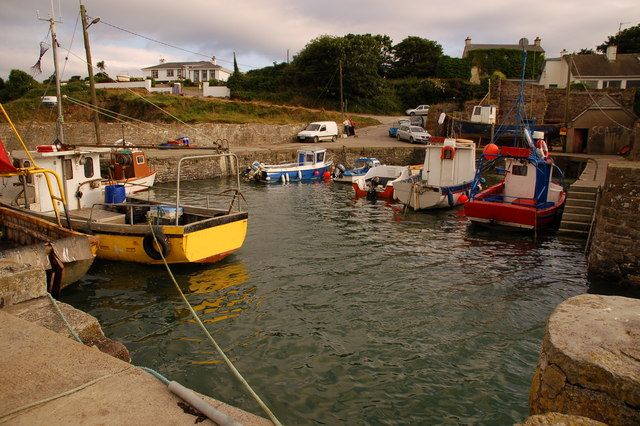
{"points": [[114, 194]]}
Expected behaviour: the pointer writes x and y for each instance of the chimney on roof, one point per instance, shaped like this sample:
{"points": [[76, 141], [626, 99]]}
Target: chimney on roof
{"points": [[537, 41], [213, 60], [467, 41], [162, 61], [612, 50]]}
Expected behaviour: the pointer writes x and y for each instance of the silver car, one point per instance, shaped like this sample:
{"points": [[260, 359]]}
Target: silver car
{"points": [[413, 134], [419, 110]]}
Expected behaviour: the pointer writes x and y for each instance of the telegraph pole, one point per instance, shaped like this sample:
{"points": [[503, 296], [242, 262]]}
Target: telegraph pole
{"points": [[341, 94], [92, 85]]}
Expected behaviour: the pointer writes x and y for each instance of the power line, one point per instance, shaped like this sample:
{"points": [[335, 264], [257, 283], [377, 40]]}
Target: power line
{"points": [[102, 21]]}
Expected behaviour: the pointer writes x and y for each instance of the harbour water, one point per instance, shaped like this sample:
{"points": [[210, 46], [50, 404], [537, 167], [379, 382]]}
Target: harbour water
{"points": [[340, 311]]}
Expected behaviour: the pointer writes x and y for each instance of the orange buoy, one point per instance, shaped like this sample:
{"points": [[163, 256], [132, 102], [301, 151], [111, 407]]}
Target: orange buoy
{"points": [[491, 151], [327, 175], [463, 199]]}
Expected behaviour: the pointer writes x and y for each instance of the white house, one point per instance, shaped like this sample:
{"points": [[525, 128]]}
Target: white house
{"points": [[612, 70], [194, 71]]}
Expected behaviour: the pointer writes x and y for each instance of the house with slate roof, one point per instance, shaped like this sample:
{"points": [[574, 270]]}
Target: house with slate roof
{"points": [[468, 46], [484, 57], [195, 71], [595, 71]]}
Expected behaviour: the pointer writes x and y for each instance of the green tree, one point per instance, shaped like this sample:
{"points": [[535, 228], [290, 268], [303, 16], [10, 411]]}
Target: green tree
{"points": [[101, 66], [17, 85], [627, 40], [236, 69], [586, 52], [365, 60], [415, 57]]}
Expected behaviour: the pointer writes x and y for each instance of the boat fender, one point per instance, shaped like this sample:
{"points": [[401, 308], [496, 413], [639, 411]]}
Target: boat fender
{"points": [[149, 245], [299, 174], [283, 179]]}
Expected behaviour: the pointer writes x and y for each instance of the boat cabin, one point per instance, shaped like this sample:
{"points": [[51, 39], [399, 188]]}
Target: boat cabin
{"points": [[449, 163], [484, 114], [307, 157], [518, 185], [128, 163], [78, 169]]}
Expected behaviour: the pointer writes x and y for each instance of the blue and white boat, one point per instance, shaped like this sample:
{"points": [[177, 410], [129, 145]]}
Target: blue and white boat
{"points": [[361, 167], [311, 164]]}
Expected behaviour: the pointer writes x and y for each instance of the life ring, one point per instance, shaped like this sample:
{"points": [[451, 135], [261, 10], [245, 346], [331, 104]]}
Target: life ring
{"points": [[447, 152], [148, 243], [543, 150]]}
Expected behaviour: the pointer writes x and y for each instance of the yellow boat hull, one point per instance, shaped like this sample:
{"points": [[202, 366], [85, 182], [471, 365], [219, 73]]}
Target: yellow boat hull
{"points": [[206, 245]]}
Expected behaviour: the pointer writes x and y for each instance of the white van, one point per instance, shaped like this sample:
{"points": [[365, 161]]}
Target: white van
{"points": [[319, 131]]}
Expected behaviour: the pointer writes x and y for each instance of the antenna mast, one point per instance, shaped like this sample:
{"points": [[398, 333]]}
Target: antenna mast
{"points": [[54, 45]]}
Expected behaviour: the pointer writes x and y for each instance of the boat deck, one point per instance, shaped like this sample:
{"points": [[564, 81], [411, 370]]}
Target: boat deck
{"points": [[99, 215]]}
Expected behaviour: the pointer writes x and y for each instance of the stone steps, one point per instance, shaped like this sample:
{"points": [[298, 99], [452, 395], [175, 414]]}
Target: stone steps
{"points": [[580, 195], [572, 225], [577, 217], [578, 210]]}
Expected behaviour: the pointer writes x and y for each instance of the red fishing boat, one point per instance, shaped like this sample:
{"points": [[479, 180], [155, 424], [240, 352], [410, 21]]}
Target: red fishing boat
{"points": [[526, 198]]}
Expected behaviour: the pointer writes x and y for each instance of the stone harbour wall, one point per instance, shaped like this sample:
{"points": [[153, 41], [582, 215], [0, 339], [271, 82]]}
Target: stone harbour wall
{"points": [[203, 134], [216, 167], [589, 364], [615, 252]]}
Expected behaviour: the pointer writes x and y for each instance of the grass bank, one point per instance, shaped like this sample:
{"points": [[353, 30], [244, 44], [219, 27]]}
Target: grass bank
{"points": [[165, 108]]}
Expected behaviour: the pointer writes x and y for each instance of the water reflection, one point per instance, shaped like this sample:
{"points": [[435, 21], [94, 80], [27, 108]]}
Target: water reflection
{"points": [[216, 294]]}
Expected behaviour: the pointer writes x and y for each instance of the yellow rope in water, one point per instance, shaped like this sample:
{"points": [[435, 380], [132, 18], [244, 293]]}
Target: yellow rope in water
{"points": [[233, 369]]}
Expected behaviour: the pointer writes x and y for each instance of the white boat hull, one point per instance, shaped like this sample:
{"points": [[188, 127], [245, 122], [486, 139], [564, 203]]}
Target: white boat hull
{"points": [[420, 197]]}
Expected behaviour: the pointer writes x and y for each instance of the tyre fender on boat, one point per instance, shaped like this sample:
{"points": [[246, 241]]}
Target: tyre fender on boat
{"points": [[149, 246]]}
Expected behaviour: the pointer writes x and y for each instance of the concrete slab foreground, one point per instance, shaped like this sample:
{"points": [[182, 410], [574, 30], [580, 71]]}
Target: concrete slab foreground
{"points": [[50, 379]]}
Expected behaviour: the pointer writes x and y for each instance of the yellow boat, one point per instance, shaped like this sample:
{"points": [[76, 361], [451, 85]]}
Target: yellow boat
{"points": [[183, 234]]}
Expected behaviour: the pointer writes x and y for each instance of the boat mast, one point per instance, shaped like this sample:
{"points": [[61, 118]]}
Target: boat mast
{"points": [[54, 45]]}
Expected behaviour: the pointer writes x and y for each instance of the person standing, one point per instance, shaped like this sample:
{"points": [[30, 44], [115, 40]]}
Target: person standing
{"points": [[352, 126], [347, 125]]}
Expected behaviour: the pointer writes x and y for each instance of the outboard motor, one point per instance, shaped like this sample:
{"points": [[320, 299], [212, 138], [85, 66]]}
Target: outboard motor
{"points": [[339, 171], [372, 194]]}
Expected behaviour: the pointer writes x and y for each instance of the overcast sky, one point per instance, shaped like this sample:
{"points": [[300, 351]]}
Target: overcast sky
{"points": [[261, 32]]}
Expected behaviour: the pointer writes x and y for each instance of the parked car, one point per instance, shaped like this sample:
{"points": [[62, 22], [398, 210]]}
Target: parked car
{"points": [[393, 129], [319, 131], [413, 134], [50, 100], [419, 110]]}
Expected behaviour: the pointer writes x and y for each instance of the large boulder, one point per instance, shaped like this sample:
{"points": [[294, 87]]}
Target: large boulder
{"points": [[590, 361]]}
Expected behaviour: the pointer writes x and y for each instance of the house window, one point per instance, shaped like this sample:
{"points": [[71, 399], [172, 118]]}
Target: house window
{"points": [[169, 73], [204, 75], [633, 83], [590, 84], [611, 84], [154, 73], [88, 167], [179, 73]]}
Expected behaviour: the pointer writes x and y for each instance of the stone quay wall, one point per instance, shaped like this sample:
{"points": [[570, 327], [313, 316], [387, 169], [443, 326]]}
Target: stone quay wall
{"points": [[615, 252], [589, 363], [216, 167], [203, 134]]}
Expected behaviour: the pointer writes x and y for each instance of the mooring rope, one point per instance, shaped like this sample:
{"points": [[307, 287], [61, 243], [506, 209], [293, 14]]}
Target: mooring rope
{"points": [[64, 319], [233, 369]]}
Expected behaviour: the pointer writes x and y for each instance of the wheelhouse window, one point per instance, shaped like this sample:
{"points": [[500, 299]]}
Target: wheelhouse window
{"points": [[67, 166], [308, 158], [140, 159], [519, 170], [88, 167], [320, 157]]}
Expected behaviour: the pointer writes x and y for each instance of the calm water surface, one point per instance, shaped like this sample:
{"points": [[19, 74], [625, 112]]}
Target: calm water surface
{"points": [[341, 311]]}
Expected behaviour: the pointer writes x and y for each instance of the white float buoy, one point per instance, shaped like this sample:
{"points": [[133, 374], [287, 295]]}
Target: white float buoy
{"points": [[283, 178]]}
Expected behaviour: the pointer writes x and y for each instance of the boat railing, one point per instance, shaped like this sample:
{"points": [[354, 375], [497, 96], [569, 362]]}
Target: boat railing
{"points": [[155, 188], [130, 209], [237, 195]]}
